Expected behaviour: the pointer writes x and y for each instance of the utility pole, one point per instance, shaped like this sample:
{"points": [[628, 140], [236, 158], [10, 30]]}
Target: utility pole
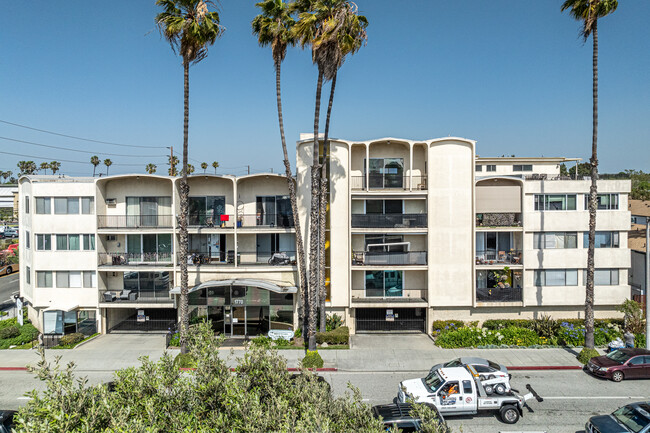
{"points": [[249, 169]]}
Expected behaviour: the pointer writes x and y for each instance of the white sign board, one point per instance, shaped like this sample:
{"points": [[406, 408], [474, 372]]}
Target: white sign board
{"points": [[285, 334], [141, 316], [19, 311]]}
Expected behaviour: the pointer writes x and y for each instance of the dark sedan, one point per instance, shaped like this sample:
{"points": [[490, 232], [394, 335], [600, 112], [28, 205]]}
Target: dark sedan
{"points": [[621, 364], [631, 418]]}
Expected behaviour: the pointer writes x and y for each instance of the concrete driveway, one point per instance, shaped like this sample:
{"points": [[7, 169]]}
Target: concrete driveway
{"points": [[392, 341], [117, 343]]}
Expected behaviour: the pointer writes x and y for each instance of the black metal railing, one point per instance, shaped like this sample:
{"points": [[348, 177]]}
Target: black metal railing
{"points": [[499, 294], [137, 325], [495, 257], [366, 258], [388, 181], [51, 340], [400, 319], [202, 257], [502, 219], [126, 259], [265, 220], [269, 258], [130, 296], [211, 219], [389, 295], [389, 220], [134, 221]]}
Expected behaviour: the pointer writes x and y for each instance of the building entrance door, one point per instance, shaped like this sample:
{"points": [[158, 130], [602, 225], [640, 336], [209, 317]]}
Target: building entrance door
{"points": [[238, 321]]}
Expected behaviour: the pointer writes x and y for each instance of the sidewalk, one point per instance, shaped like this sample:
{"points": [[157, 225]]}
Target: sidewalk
{"points": [[380, 353]]}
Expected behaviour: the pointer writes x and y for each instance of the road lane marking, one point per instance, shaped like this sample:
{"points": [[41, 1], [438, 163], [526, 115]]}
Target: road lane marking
{"points": [[24, 398], [595, 398]]}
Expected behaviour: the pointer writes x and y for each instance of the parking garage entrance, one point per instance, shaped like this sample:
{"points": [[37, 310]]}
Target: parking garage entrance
{"points": [[390, 319]]}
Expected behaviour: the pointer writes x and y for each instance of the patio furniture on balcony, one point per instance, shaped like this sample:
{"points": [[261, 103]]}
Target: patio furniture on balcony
{"points": [[109, 296], [128, 295]]}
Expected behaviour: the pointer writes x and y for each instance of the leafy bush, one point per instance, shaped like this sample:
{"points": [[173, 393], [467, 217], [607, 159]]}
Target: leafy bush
{"points": [[545, 326], [446, 325], [312, 360], [27, 333], [633, 316], [185, 360], [586, 354], [281, 342], [9, 332], [333, 321], [338, 336], [262, 341], [71, 339], [175, 341], [496, 324], [572, 335], [639, 339]]}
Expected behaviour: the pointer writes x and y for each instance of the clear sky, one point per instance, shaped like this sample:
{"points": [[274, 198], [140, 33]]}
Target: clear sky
{"points": [[511, 74]]}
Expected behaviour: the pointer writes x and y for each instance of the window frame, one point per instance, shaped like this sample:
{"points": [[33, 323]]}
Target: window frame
{"points": [[491, 168], [612, 197], [45, 203], [44, 275], [26, 204], [614, 277], [542, 202], [540, 278], [522, 167], [28, 242], [41, 244], [478, 168], [540, 240]]}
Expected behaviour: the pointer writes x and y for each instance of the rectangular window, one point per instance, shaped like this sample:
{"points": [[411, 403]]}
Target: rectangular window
{"points": [[43, 278], [384, 206], [89, 242], [73, 205], [43, 206], [603, 240], [604, 201], [490, 168], [61, 242], [556, 277], [603, 277], [384, 283], [26, 204], [553, 240], [522, 167], [28, 275], [555, 202], [87, 205], [28, 242], [385, 172], [89, 279], [478, 168], [73, 242], [62, 279], [44, 242], [60, 205]]}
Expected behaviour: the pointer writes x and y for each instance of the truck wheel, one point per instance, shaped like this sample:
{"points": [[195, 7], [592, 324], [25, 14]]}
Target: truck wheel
{"points": [[509, 414], [617, 376], [489, 389], [9, 270], [491, 376], [500, 389]]}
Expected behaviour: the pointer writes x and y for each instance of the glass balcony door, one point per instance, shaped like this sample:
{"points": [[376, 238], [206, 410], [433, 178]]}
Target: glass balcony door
{"points": [[384, 284]]}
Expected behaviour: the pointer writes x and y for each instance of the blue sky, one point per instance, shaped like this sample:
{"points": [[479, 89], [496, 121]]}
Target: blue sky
{"points": [[511, 74]]}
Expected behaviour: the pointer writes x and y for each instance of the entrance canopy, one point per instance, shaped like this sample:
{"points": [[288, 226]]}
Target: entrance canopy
{"points": [[273, 286]]}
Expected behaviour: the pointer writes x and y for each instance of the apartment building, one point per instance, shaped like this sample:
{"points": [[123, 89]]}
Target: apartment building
{"points": [[427, 230], [100, 254]]}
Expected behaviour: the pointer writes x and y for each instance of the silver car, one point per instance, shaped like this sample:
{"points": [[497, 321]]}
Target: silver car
{"points": [[486, 369]]}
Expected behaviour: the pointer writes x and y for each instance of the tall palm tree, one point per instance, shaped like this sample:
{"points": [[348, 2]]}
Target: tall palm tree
{"points": [[44, 166], [6, 175], [151, 168], [107, 163], [204, 166], [26, 167], [54, 166], [189, 27], [94, 160], [215, 165], [173, 162], [588, 12], [274, 27], [190, 169]]}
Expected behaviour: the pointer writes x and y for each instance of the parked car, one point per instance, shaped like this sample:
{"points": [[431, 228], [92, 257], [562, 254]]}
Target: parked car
{"points": [[7, 420], [7, 269], [631, 418], [10, 232], [398, 416], [486, 369], [621, 364]]}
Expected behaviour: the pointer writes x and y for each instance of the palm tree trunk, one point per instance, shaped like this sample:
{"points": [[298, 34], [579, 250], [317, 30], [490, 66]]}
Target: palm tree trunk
{"points": [[185, 320], [313, 224], [323, 210], [94, 166], [302, 268], [593, 194]]}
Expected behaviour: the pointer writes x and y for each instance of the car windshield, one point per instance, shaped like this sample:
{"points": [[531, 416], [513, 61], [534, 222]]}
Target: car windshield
{"points": [[494, 365], [618, 356], [433, 381], [634, 419], [453, 363]]}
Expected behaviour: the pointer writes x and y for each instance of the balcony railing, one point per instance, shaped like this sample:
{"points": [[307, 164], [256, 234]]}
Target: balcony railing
{"points": [[130, 259], [265, 220], [365, 258], [199, 257], [134, 221], [388, 181], [497, 294], [211, 219], [276, 258], [494, 257], [135, 296], [388, 295], [505, 219], [389, 220]]}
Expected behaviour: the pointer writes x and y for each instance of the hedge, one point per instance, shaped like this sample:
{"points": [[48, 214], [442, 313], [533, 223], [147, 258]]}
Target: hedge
{"points": [[337, 336], [27, 333]]}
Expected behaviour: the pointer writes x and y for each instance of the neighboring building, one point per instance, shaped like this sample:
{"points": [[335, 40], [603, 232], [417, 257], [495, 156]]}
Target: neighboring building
{"points": [[640, 210], [422, 231], [9, 199]]}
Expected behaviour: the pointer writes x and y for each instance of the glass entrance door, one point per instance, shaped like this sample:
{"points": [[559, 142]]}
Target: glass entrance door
{"points": [[238, 321]]}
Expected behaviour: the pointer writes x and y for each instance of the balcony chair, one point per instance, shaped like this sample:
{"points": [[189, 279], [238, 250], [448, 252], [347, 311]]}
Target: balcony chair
{"points": [[128, 295], [502, 256], [109, 296], [358, 257]]}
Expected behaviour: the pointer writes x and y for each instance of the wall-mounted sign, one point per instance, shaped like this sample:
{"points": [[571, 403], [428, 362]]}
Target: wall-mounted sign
{"points": [[390, 317], [141, 317]]}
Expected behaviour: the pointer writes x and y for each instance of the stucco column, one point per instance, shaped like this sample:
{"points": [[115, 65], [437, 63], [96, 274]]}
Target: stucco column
{"points": [[410, 166], [367, 174], [235, 200]]}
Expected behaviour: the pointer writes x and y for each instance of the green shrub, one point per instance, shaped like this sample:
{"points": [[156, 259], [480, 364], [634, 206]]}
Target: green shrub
{"points": [[445, 325], [175, 341], [639, 340], [27, 333], [184, 360], [312, 360], [333, 321], [586, 354], [338, 336], [514, 336], [496, 324], [281, 342], [71, 339], [9, 332], [545, 326], [262, 341], [633, 316]]}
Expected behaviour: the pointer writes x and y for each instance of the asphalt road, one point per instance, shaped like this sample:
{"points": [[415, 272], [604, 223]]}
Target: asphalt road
{"points": [[570, 397], [9, 284]]}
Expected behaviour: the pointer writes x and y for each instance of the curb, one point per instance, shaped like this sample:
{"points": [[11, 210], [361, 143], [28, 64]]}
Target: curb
{"points": [[545, 367], [13, 368], [325, 369]]}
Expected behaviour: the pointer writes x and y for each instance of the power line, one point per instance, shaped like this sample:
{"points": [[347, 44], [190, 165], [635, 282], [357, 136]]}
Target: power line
{"points": [[80, 138], [65, 160], [71, 149]]}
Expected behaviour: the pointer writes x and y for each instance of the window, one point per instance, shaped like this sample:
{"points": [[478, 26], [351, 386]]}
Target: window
{"points": [[89, 242], [553, 240], [44, 242], [66, 205], [467, 386], [555, 202], [28, 274], [68, 279], [522, 167], [43, 278], [604, 201], [385, 172], [556, 277], [478, 167], [603, 239], [43, 206], [70, 242], [26, 204], [384, 206], [87, 205], [378, 243], [603, 277], [89, 279], [384, 283], [490, 168], [28, 236]]}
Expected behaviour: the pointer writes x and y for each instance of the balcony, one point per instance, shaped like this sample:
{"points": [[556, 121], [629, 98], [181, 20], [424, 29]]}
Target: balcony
{"points": [[135, 259], [403, 296], [389, 220], [494, 257], [388, 181], [211, 219], [135, 297], [498, 220], [227, 258], [134, 221], [265, 221], [365, 258], [499, 294]]}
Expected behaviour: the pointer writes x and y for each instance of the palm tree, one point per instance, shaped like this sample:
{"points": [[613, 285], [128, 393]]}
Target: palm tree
{"points": [[26, 167], [204, 166], [151, 168], [588, 12], [7, 174], [173, 162], [107, 163], [189, 27], [215, 164], [94, 160], [274, 27], [190, 169], [54, 166], [44, 166]]}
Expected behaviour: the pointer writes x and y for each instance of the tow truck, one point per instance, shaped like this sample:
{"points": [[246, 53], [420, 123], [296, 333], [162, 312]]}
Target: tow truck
{"points": [[461, 391]]}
